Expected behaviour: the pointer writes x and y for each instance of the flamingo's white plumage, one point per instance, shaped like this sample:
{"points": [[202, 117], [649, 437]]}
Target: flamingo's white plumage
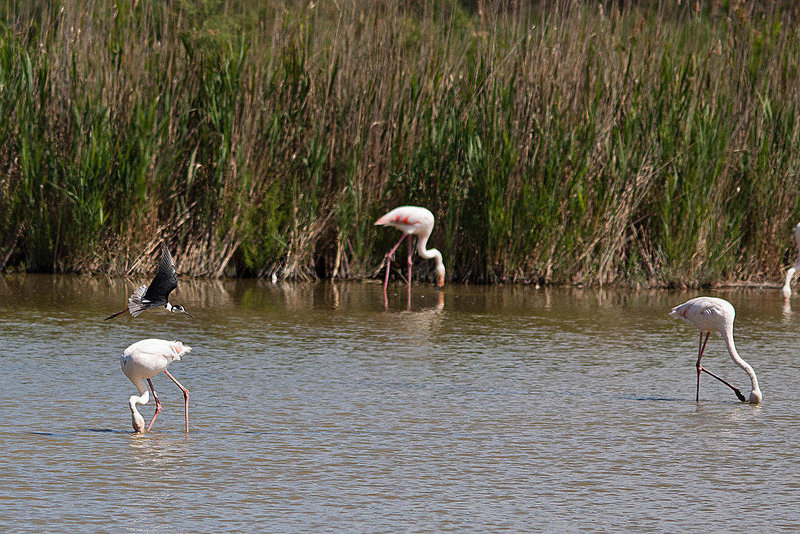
{"points": [[412, 221], [711, 314], [144, 360], [787, 286]]}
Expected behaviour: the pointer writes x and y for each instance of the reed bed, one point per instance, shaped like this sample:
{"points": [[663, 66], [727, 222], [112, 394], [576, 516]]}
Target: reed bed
{"points": [[568, 142]]}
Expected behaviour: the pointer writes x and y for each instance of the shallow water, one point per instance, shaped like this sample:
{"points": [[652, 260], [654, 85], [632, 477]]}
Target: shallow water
{"points": [[474, 408]]}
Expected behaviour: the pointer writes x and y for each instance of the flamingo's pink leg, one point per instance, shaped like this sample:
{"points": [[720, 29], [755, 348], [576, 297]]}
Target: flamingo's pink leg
{"points": [[158, 405], [185, 399], [700, 348], [389, 257], [701, 369], [410, 263]]}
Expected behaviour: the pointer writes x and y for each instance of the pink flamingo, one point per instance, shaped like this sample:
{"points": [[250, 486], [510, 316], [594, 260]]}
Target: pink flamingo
{"points": [[144, 360], [710, 314], [412, 221], [787, 286]]}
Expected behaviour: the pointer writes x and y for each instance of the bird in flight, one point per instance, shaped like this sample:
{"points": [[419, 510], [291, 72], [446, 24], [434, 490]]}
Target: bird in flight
{"points": [[711, 314], [156, 294]]}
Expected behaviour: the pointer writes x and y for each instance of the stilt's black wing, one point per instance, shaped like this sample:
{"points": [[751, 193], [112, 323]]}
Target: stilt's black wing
{"points": [[165, 281]]}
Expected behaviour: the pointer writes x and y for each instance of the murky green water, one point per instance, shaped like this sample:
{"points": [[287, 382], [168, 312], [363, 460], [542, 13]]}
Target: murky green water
{"points": [[313, 408]]}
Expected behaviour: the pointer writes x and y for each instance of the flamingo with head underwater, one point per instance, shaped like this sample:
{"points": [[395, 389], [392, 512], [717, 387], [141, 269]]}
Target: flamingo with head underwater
{"points": [[787, 286], [711, 314], [144, 360], [412, 221]]}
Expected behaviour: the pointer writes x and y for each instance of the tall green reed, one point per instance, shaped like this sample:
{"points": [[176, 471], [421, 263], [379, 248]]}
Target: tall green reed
{"points": [[563, 143]]}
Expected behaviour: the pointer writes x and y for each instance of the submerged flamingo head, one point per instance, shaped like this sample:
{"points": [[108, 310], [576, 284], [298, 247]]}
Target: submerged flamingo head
{"points": [[440, 275], [136, 418], [138, 422]]}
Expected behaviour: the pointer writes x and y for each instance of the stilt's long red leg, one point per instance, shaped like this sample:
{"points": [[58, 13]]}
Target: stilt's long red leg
{"points": [[185, 399], [158, 405], [116, 314]]}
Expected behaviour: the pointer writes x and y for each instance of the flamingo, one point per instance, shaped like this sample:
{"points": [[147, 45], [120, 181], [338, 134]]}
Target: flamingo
{"points": [[787, 287], [412, 221], [142, 361], [711, 314]]}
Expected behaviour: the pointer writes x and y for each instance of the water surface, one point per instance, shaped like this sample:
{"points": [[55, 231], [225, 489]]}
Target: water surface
{"points": [[314, 408]]}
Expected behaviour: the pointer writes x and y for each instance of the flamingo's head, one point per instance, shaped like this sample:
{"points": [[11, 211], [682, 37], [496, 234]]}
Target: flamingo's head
{"points": [[440, 275], [138, 422], [136, 418], [755, 396], [786, 291]]}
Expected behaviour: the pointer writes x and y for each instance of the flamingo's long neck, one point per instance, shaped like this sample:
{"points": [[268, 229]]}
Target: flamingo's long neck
{"points": [[755, 391], [143, 398], [433, 254], [797, 240], [787, 287], [428, 254]]}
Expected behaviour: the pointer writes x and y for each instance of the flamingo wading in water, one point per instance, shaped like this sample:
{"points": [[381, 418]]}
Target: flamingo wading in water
{"points": [[412, 221], [142, 361], [787, 287], [711, 314]]}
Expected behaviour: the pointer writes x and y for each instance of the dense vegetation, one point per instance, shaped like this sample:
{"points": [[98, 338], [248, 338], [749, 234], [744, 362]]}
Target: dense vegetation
{"points": [[563, 142]]}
